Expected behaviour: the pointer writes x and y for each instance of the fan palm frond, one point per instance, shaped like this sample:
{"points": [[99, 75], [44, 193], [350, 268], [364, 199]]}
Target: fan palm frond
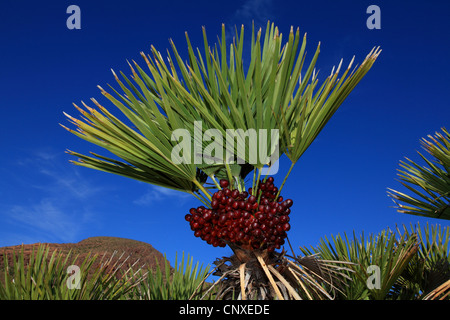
{"points": [[275, 96], [381, 258], [430, 184]]}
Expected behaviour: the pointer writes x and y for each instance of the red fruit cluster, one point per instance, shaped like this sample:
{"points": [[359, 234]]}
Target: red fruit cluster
{"points": [[253, 219]]}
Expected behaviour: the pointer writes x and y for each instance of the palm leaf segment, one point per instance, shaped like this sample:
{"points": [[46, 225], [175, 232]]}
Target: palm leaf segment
{"points": [[430, 184], [275, 92]]}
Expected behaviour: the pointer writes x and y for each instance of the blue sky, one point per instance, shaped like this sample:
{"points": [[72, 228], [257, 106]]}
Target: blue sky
{"points": [[340, 183]]}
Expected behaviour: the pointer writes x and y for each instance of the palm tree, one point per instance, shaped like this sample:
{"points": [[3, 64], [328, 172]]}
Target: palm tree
{"points": [[427, 276], [430, 184], [207, 96], [413, 264]]}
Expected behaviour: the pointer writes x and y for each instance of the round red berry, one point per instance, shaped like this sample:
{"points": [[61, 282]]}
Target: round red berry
{"points": [[224, 183]]}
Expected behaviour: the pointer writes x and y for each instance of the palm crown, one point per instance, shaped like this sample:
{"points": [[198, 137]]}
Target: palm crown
{"points": [[275, 92]]}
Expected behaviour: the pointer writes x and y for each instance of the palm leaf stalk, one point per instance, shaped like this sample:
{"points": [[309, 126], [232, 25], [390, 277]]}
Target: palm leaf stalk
{"points": [[430, 184], [176, 104]]}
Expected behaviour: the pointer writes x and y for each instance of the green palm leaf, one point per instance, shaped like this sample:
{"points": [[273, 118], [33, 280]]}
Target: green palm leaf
{"points": [[214, 89], [430, 184], [43, 275], [390, 253]]}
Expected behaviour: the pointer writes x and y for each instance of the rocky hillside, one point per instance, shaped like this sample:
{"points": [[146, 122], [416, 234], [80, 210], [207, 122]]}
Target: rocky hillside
{"points": [[142, 252]]}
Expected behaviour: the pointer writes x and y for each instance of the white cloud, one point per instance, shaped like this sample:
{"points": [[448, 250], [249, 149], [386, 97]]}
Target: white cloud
{"points": [[49, 219], [70, 181], [156, 194], [259, 11], [58, 201], [65, 179]]}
